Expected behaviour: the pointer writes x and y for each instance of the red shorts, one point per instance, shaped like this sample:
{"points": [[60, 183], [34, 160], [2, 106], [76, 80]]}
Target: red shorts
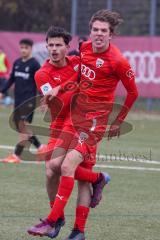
{"points": [[68, 138], [83, 129]]}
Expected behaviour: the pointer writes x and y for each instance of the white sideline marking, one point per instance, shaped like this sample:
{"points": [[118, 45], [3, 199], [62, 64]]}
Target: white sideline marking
{"points": [[101, 166], [129, 168], [7, 147], [102, 157]]}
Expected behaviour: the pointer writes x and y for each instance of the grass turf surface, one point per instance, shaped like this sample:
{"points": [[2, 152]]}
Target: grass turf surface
{"points": [[130, 209]]}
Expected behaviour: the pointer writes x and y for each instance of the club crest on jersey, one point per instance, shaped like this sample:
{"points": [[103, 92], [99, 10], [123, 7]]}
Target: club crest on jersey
{"points": [[27, 69], [46, 88], [76, 67], [99, 62]]}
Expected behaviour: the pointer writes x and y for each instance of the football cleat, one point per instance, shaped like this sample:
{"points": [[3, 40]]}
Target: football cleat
{"points": [[41, 229], [76, 235], [47, 228], [12, 159], [58, 225], [98, 186]]}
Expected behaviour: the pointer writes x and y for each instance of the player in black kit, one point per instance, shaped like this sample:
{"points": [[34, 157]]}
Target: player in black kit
{"points": [[22, 76]]}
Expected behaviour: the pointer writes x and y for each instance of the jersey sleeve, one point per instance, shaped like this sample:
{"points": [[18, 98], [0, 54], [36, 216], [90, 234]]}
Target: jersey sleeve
{"points": [[126, 75], [42, 80]]}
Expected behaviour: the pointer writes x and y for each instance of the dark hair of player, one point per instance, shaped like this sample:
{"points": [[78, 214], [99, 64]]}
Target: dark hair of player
{"points": [[113, 18], [58, 32], [26, 41]]}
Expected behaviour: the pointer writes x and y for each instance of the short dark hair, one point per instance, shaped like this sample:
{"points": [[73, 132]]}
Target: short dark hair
{"points": [[26, 41], [58, 32], [104, 15]]}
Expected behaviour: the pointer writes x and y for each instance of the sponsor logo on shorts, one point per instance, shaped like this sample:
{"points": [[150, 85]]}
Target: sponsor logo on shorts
{"points": [[83, 137]]}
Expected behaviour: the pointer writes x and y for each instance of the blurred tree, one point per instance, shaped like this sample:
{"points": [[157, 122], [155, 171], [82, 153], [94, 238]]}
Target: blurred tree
{"points": [[37, 15], [33, 15]]}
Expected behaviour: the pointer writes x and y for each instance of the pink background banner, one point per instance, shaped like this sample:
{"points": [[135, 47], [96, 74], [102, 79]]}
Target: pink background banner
{"points": [[143, 54]]}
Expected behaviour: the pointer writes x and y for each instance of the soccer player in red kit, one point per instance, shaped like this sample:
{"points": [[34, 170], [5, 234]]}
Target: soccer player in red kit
{"points": [[56, 78], [103, 66]]}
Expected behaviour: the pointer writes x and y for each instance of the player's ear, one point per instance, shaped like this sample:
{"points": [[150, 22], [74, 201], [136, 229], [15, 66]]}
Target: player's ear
{"points": [[110, 36], [68, 46]]}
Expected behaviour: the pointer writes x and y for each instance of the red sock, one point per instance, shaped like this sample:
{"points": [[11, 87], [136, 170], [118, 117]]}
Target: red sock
{"points": [[62, 215], [64, 191], [81, 217], [51, 204], [84, 174]]}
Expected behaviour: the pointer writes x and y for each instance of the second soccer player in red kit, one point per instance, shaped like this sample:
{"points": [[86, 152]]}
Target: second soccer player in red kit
{"points": [[103, 66], [56, 78]]}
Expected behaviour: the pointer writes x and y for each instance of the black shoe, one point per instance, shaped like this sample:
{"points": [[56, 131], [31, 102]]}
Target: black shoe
{"points": [[58, 225], [76, 235]]}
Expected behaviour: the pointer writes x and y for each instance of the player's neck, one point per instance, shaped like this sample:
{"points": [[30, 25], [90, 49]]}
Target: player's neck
{"points": [[59, 64], [101, 50], [25, 59]]}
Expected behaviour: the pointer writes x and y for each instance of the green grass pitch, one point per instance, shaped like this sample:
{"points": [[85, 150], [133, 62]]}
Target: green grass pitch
{"points": [[130, 209]]}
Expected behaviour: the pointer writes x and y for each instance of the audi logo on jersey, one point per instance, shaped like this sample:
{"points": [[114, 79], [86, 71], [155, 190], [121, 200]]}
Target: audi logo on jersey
{"points": [[87, 72]]}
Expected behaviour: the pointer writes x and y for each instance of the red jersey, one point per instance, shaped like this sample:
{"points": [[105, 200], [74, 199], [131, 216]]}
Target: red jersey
{"points": [[103, 71], [50, 76]]}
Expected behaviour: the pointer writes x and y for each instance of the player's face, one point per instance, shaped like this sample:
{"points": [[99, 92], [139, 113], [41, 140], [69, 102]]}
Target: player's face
{"points": [[100, 35], [25, 51], [57, 49]]}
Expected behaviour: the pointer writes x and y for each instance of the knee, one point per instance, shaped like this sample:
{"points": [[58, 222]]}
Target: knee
{"points": [[53, 170], [56, 167], [49, 174], [66, 170]]}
